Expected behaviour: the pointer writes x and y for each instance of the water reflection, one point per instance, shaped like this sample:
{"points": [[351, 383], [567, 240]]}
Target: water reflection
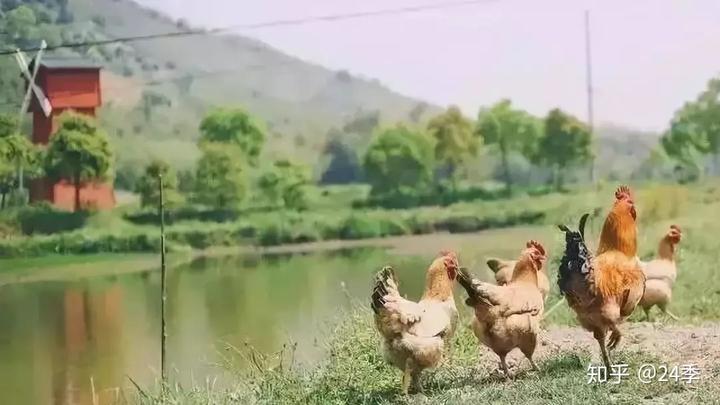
{"points": [[61, 340]]}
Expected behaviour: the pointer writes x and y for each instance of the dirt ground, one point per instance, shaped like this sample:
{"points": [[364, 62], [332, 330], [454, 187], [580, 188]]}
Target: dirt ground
{"points": [[673, 345]]}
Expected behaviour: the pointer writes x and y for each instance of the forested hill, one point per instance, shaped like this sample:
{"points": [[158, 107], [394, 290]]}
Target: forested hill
{"points": [[160, 88], [155, 92]]}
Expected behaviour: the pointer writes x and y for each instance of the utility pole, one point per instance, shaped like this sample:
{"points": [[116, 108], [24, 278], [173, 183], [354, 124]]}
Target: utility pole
{"points": [[588, 64], [163, 288]]}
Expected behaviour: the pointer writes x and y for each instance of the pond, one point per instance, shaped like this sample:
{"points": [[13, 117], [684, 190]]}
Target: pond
{"points": [[61, 339]]}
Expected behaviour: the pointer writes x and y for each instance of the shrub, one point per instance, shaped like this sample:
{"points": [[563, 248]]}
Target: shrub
{"points": [[45, 219], [360, 227]]}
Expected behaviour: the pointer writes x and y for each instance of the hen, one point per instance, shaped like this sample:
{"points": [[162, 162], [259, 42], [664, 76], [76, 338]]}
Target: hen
{"points": [[605, 289], [661, 273], [503, 270], [415, 333], [508, 316]]}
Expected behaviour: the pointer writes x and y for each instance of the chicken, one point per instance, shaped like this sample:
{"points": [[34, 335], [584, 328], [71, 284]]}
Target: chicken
{"points": [[415, 334], [508, 316], [605, 289], [503, 270], [661, 273]]}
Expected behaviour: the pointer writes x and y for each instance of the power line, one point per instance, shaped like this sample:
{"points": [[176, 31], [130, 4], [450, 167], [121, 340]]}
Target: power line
{"points": [[267, 24]]}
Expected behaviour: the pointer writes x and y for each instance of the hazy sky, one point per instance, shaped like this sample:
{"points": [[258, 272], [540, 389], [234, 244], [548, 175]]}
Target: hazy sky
{"points": [[649, 56]]}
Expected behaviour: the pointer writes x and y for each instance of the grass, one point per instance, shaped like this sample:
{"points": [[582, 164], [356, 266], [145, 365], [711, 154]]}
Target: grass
{"points": [[356, 373]]}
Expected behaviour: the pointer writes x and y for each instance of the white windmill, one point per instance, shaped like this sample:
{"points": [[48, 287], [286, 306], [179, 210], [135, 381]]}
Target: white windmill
{"points": [[32, 88], [29, 76]]}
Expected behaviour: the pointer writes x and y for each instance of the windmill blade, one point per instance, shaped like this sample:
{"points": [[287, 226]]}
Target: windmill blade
{"points": [[32, 86]]}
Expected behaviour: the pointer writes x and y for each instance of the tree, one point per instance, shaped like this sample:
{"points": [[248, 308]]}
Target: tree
{"points": [[399, 162], [696, 128], [79, 152], [566, 142], [16, 151], [148, 184], [509, 130], [454, 140], [220, 176], [417, 112], [234, 126], [286, 183], [344, 166], [20, 23], [150, 100], [7, 180]]}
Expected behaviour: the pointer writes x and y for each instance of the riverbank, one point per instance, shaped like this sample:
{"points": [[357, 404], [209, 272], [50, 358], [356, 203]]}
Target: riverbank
{"points": [[112, 233], [63, 267], [356, 373]]}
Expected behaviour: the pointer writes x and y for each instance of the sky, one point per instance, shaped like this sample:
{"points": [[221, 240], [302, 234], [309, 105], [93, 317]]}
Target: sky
{"points": [[649, 56]]}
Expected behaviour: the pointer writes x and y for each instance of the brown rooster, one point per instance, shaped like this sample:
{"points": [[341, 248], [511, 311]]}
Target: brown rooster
{"points": [[661, 273], [415, 333], [508, 316], [604, 290]]}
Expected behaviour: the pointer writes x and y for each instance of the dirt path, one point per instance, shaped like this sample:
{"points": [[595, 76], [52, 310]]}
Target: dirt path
{"points": [[674, 345]]}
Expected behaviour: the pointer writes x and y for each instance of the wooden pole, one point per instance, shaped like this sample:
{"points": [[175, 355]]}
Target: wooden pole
{"points": [[588, 63], [163, 288]]}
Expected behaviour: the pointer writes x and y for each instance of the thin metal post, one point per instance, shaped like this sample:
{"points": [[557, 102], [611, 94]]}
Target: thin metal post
{"points": [[588, 62], [163, 288]]}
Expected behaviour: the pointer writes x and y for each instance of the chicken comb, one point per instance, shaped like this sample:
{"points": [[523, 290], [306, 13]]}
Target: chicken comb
{"points": [[536, 245], [623, 192]]}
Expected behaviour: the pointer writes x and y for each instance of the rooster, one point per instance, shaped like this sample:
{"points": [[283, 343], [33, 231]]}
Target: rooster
{"points": [[415, 334], [508, 316], [605, 289], [661, 273]]}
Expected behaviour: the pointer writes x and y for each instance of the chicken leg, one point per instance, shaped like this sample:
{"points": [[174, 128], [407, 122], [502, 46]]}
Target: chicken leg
{"points": [[600, 337], [615, 337], [411, 378], [663, 308], [504, 366]]}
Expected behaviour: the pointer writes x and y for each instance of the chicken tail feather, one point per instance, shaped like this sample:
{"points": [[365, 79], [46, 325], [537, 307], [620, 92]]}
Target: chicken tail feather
{"points": [[384, 283], [576, 260], [467, 281]]}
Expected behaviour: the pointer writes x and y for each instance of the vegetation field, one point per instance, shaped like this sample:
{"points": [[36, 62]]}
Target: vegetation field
{"points": [[354, 371]]}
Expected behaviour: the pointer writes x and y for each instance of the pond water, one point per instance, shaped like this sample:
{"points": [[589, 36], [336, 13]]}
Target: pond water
{"points": [[60, 339]]}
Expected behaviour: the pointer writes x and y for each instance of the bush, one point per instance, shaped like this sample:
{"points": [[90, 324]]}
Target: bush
{"points": [[360, 227], [45, 219], [186, 213]]}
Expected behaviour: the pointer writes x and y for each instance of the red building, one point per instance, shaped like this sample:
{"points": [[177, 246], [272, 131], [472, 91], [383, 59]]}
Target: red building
{"points": [[69, 84]]}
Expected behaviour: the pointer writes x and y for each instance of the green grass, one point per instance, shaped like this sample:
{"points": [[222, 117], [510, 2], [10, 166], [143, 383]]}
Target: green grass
{"points": [[356, 373], [109, 232]]}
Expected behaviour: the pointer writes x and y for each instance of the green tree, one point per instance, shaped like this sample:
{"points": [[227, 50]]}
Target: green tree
{"points": [[696, 128], [565, 143], [234, 126], [79, 152], [16, 151], [150, 100], [220, 176], [20, 23], [148, 185], [454, 140], [509, 130], [7, 180], [285, 183], [399, 162]]}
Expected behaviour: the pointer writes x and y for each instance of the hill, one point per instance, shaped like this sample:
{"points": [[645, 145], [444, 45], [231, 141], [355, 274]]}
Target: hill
{"points": [[159, 89]]}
